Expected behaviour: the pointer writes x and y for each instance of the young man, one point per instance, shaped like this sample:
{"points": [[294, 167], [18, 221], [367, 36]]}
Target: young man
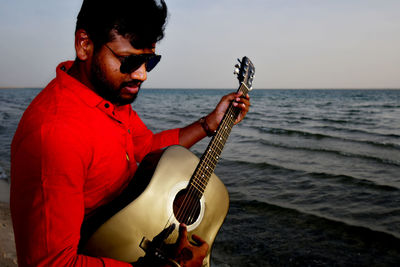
{"points": [[78, 143]]}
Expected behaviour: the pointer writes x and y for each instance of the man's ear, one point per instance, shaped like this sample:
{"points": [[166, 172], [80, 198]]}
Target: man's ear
{"points": [[83, 45]]}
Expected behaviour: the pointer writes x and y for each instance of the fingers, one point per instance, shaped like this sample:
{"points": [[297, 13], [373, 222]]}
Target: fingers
{"points": [[183, 231], [189, 253], [200, 242], [183, 236], [198, 239], [238, 100], [243, 103]]}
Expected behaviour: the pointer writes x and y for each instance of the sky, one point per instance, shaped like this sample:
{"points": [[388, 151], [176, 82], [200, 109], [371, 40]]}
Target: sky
{"points": [[292, 43]]}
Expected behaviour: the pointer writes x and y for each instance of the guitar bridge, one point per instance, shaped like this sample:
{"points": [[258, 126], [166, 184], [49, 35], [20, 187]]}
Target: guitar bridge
{"points": [[145, 244], [154, 254], [152, 248]]}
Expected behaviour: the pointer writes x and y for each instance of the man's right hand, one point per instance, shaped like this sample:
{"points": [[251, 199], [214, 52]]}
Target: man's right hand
{"points": [[183, 253], [188, 254]]}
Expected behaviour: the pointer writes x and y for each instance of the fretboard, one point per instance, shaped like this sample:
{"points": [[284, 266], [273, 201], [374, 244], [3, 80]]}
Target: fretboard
{"points": [[210, 158]]}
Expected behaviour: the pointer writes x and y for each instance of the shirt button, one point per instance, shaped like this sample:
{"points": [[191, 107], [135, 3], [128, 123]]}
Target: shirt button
{"points": [[106, 105]]}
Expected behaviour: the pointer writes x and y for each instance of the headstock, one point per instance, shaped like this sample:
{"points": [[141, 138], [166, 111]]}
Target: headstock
{"points": [[245, 72]]}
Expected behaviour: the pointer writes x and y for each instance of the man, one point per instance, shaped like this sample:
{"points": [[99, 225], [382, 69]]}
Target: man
{"points": [[78, 143]]}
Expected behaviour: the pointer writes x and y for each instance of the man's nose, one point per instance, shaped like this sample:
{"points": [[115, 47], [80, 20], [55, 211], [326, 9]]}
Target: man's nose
{"points": [[140, 73]]}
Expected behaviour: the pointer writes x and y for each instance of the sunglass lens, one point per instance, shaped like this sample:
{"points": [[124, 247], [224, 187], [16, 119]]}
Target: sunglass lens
{"points": [[132, 63], [152, 62]]}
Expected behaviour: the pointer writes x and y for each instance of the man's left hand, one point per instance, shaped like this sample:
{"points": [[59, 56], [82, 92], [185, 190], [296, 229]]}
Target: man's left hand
{"points": [[239, 100]]}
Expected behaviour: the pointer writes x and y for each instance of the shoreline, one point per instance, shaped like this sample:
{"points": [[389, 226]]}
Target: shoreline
{"points": [[8, 255], [4, 191]]}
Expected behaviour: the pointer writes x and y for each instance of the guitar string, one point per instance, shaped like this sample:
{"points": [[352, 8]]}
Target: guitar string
{"points": [[203, 175], [190, 208], [216, 148], [227, 125]]}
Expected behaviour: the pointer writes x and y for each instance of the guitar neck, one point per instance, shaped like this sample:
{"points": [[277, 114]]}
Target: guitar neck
{"points": [[210, 158]]}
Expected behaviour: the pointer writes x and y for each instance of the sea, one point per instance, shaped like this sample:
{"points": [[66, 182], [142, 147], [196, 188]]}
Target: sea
{"points": [[313, 175]]}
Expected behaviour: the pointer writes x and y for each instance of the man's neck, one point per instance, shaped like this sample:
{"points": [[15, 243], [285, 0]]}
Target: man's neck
{"points": [[80, 72]]}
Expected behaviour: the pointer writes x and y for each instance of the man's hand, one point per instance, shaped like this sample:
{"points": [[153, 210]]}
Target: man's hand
{"points": [[187, 254], [194, 132], [183, 253], [239, 100]]}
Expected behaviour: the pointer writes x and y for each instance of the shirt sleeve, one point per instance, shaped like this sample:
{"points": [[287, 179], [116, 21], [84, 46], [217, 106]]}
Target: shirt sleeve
{"points": [[145, 141], [48, 167]]}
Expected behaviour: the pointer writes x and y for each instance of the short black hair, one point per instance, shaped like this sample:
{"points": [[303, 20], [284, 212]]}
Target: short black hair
{"points": [[141, 21]]}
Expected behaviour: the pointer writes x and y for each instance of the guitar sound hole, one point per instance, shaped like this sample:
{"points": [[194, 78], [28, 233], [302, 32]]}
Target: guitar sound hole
{"points": [[186, 207]]}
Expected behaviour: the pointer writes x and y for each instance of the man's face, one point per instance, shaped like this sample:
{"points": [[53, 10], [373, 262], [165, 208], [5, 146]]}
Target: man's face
{"points": [[106, 77]]}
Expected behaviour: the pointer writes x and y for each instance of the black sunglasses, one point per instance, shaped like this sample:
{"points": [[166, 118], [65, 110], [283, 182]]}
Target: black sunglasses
{"points": [[131, 63]]}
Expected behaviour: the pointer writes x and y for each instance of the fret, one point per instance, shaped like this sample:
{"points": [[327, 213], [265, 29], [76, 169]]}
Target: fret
{"points": [[210, 158], [198, 182], [198, 188]]}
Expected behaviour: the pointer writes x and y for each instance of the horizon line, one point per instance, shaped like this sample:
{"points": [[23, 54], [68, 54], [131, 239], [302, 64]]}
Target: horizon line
{"points": [[271, 88]]}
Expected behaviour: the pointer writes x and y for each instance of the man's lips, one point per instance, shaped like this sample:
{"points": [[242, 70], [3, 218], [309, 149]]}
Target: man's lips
{"points": [[131, 88]]}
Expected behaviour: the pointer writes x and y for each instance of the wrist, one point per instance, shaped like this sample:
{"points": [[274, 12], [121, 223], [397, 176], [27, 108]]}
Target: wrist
{"points": [[206, 127]]}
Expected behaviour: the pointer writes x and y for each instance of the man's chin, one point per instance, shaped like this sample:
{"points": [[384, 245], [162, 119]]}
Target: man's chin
{"points": [[125, 99]]}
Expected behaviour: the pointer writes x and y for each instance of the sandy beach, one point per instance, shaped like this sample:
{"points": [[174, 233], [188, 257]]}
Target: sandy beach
{"points": [[8, 256]]}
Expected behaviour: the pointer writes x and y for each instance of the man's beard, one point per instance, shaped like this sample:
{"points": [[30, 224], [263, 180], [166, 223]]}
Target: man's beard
{"points": [[107, 90]]}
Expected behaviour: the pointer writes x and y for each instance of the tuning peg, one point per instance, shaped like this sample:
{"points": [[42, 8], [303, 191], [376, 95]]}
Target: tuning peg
{"points": [[236, 69]]}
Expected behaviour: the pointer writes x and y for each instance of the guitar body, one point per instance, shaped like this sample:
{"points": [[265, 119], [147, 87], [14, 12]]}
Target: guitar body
{"points": [[120, 236]]}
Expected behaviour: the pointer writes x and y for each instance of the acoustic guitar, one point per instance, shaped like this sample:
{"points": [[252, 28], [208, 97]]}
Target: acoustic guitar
{"points": [[170, 187]]}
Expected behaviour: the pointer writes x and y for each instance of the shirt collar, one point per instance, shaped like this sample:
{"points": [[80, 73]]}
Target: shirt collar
{"points": [[79, 89], [87, 95]]}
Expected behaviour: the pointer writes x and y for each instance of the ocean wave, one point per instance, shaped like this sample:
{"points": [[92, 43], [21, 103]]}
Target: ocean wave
{"points": [[258, 206], [326, 150], [5, 115], [358, 131], [341, 178], [335, 121], [13, 106], [379, 106], [318, 136], [3, 174], [359, 182]]}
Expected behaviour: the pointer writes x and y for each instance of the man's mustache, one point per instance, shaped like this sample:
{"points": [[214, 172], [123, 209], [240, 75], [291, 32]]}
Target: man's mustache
{"points": [[132, 83]]}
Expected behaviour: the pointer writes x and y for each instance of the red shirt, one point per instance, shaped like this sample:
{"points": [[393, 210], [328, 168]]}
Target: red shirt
{"points": [[73, 151]]}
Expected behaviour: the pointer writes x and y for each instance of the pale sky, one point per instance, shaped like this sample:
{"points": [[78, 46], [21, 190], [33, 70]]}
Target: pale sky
{"points": [[292, 43]]}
